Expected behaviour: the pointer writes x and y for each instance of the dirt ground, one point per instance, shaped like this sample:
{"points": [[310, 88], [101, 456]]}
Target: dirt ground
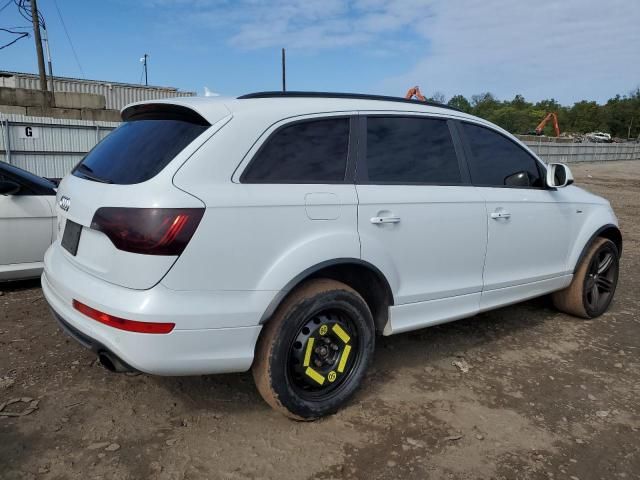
{"points": [[547, 396]]}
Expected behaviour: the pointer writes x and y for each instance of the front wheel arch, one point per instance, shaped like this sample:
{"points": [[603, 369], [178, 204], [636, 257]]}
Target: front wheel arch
{"points": [[611, 232]]}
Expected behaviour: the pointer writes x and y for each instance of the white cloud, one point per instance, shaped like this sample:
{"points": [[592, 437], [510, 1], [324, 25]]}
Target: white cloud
{"points": [[569, 49], [309, 24]]}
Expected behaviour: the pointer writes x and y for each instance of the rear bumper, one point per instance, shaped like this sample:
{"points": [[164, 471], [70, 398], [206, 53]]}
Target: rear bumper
{"points": [[188, 350], [118, 364]]}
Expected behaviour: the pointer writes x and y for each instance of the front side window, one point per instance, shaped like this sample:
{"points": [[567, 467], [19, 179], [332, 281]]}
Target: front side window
{"points": [[305, 152], [411, 150], [497, 161]]}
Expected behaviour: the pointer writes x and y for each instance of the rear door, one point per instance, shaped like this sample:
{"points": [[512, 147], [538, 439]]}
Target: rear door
{"points": [[419, 219], [529, 225], [292, 206]]}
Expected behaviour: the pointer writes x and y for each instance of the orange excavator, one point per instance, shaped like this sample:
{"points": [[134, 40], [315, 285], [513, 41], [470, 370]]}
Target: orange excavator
{"points": [[541, 125], [415, 92]]}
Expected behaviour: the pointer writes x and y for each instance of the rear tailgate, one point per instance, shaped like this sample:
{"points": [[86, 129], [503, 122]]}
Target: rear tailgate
{"points": [[95, 253], [132, 169]]}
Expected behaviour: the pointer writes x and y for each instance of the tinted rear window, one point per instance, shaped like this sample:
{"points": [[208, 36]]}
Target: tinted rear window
{"points": [[138, 150], [411, 150], [305, 152]]}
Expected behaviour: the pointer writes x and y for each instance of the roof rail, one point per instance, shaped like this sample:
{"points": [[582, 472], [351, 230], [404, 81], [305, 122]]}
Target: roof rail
{"points": [[358, 96]]}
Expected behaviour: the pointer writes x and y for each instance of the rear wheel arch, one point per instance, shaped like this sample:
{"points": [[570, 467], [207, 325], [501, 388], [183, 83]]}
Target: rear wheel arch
{"points": [[609, 231], [362, 276]]}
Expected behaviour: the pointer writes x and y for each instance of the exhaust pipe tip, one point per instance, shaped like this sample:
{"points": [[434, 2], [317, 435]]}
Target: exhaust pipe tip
{"points": [[113, 363], [106, 362]]}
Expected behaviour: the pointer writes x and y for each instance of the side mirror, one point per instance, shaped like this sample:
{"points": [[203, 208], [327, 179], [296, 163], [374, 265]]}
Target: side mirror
{"points": [[8, 187], [558, 175], [518, 179]]}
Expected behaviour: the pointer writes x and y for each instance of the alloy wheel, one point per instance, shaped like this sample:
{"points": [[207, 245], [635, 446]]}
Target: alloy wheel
{"points": [[601, 279]]}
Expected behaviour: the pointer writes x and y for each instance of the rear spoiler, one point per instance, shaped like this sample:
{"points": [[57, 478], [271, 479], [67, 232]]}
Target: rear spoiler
{"points": [[162, 111]]}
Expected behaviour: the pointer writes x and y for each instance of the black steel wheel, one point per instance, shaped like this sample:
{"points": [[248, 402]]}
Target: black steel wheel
{"points": [[312, 354], [323, 354]]}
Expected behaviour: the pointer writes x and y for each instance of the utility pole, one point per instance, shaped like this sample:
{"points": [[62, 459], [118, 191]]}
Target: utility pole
{"points": [[144, 62], [36, 35], [284, 71], [46, 46]]}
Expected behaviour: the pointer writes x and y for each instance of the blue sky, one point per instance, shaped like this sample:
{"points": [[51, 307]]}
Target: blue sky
{"points": [[565, 49]]}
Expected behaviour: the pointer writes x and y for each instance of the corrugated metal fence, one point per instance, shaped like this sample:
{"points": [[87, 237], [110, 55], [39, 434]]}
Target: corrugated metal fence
{"points": [[51, 147]]}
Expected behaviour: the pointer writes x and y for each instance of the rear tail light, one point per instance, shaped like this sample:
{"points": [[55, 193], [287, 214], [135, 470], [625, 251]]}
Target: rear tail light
{"points": [[121, 323], [150, 231]]}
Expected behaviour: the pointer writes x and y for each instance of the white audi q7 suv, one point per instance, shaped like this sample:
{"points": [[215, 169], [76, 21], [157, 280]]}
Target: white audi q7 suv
{"points": [[282, 231]]}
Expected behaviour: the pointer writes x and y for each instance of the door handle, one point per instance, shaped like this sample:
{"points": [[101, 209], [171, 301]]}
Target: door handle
{"points": [[377, 220], [499, 215]]}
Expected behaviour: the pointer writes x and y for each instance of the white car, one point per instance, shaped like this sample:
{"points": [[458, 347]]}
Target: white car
{"points": [[27, 222], [599, 137], [282, 231]]}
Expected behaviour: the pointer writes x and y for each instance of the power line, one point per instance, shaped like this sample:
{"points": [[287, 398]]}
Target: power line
{"points": [[25, 12], [75, 55], [6, 5], [22, 10], [20, 36]]}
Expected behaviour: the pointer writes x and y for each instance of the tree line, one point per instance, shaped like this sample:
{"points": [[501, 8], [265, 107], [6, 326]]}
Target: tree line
{"points": [[620, 116]]}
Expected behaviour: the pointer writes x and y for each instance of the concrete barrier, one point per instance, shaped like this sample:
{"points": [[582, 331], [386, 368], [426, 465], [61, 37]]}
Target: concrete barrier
{"points": [[13, 109], [585, 152], [80, 100], [67, 105]]}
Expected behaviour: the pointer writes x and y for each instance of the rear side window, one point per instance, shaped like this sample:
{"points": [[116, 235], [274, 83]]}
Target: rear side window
{"points": [[305, 152], [411, 150], [498, 161], [138, 150]]}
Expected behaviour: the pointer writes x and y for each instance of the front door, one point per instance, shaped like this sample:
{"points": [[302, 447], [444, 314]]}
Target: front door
{"points": [[25, 228], [529, 226]]}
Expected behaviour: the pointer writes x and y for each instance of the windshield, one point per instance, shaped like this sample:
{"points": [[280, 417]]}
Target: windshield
{"points": [[138, 150], [12, 172]]}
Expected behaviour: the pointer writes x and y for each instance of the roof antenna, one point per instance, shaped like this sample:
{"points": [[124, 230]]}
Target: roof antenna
{"points": [[284, 71]]}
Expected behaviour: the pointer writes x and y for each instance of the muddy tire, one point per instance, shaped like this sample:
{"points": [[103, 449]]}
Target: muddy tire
{"points": [[594, 282], [312, 354]]}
